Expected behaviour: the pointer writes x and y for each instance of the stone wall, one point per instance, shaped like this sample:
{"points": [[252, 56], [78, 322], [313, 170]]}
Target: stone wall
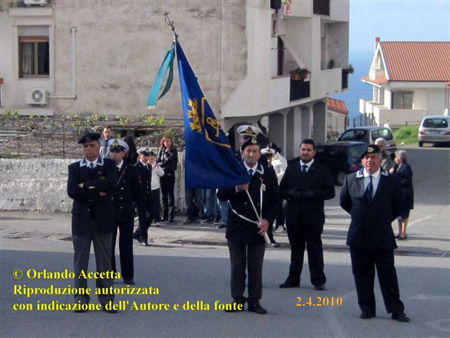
{"points": [[41, 185]]}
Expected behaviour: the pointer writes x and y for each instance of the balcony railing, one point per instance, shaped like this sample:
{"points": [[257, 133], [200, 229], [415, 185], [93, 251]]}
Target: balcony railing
{"points": [[299, 90], [344, 79]]}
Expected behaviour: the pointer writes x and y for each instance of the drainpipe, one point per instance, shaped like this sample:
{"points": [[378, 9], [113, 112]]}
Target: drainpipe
{"points": [[73, 31]]}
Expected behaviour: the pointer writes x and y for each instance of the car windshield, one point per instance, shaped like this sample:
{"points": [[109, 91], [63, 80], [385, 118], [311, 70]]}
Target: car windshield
{"points": [[435, 123], [353, 135], [382, 133]]}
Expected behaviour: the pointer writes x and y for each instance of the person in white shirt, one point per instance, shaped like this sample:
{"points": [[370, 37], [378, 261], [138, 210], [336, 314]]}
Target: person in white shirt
{"points": [[157, 172]]}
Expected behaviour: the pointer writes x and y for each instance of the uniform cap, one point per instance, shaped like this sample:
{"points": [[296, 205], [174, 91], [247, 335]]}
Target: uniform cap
{"points": [[145, 151], [116, 144], [248, 130], [371, 149], [252, 141], [89, 137]]}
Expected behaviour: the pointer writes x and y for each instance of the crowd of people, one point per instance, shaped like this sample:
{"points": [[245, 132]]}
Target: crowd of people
{"points": [[115, 182]]}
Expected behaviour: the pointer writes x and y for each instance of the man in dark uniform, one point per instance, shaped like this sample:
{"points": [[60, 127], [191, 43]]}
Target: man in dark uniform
{"points": [[372, 197], [247, 224], [144, 202], [305, 186], [126, 192], [90, 185]]}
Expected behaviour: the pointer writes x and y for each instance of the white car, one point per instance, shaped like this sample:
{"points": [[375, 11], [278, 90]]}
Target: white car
{"points": [[434, 129]]}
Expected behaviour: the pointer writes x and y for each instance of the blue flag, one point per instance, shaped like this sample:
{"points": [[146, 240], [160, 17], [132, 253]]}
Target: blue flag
{"points": [[210, 162], [166, 66]]}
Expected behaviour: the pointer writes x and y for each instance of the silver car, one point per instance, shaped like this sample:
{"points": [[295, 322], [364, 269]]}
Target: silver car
{"points": [[369, 135], [434, 129]]}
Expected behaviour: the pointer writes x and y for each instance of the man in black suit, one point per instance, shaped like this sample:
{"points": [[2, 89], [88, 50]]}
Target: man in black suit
{"points": [[306, 185], [245, 228], [373, 198], [144, 204], [126, 192], [90, 185]]}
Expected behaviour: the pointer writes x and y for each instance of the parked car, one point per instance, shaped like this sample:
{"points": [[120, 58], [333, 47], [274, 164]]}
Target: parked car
{"points": [[341, 158], [434, 129], [369, 135]]}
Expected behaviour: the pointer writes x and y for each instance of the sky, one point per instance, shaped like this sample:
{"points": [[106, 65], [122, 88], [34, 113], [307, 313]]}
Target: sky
{"points": [[400, 20]]}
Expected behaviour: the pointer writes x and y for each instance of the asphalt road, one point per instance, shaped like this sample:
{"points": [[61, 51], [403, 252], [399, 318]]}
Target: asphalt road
{"points": [[199, 274]]}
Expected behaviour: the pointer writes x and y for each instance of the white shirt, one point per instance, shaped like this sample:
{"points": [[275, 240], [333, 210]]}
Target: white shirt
{"points": [[157, 172], [308, 165], [119, 166], [253, 168], [375, 180]]}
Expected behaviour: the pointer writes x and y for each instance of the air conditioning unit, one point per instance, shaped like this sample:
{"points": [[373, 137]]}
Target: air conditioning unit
{"points": [[36, 97], [35, 2]]}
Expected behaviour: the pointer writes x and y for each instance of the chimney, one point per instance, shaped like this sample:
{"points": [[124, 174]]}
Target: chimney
{"points": [[377, 42]]}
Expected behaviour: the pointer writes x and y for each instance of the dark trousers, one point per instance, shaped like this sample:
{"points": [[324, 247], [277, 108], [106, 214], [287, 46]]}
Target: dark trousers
{"points": [[364, 262], [125, 247], [309, 235], [102, 249], [168, 196], [248, 256], [193, 198], [145, 217], [155, 197]]}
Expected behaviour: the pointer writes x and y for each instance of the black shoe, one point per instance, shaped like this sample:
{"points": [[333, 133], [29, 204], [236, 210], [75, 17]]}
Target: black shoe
{"points": [[236, 306], [188, 221], [290, 283], [171, 220], [319, 287], [110, 310], [128, 281], [221, 226], [207, 221], [367, 315], [275, 245], [400, 316], [257, 309]]}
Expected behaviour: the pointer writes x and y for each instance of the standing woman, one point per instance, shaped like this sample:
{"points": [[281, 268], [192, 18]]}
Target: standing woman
{"points": [[132, 156], [404, 173], [168, 159]]}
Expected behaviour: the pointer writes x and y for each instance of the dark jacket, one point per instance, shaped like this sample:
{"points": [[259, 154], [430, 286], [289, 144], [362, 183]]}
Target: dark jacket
{"points": [[168, 161], [370, 226], [126, 191], [319, 181], [405, 176], [240, 230], [87, 203]]}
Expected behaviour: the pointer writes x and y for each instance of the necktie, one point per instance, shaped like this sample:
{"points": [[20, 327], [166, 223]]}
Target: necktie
{"points": [[304, 168], [369, 190], [91, 165], [117, 169], [250, 172]]}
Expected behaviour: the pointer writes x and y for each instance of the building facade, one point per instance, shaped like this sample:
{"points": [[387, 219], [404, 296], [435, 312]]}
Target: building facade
{"points": [[101, 57], [409, 81]]}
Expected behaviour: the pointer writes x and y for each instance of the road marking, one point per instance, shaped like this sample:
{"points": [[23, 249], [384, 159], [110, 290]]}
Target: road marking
{"points": [[420, 220]]}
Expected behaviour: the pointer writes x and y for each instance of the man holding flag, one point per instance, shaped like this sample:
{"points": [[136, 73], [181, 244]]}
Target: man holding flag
{"points": [[253, 207]]}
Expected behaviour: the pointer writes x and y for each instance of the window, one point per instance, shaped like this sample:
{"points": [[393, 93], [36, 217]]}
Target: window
{"points": [[34, 56], [402, 100], [382, 133], [321, 7]]}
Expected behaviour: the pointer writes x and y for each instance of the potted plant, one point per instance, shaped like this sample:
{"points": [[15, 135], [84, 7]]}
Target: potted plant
{"points": [[349, 69], [299, 74]]}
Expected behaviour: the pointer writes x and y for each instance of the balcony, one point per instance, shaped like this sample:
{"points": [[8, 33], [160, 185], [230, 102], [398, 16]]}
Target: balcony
{"points": [[299, 90], [395, 118]]}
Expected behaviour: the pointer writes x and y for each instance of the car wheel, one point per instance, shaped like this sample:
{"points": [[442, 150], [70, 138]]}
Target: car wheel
{"points": [[340, 178], [420, 144]]}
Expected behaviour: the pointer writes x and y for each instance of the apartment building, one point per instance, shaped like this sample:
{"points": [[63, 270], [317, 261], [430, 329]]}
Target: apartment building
{"points": [[409, 81], [257, 61]]}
